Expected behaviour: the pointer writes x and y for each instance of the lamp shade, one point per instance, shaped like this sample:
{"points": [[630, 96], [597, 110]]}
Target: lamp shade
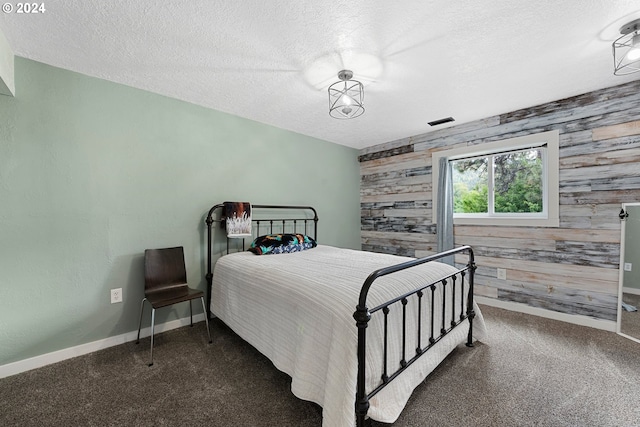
{"points": [[626, 50], [346, 97]]}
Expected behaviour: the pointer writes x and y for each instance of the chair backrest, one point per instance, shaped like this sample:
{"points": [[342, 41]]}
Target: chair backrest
{"points": [[164, 270]]}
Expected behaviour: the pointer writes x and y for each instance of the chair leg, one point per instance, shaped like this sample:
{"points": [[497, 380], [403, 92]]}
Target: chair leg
{"points": [[153, 319], [140, 322], [206, 320], [191, 312]]}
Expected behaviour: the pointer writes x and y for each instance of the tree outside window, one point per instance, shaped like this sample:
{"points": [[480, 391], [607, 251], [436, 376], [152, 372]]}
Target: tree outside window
{"points": [[507, 183]]}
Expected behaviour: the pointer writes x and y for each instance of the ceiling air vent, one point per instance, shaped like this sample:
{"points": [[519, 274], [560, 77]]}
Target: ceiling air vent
{"points": [[441, 121]]}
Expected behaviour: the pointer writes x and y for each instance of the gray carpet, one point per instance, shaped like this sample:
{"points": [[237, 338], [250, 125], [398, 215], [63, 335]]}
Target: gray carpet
{"points": [[529, 372]]}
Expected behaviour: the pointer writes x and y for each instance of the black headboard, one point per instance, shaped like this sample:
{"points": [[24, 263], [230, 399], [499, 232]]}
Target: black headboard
{"points": [[266, 219]]}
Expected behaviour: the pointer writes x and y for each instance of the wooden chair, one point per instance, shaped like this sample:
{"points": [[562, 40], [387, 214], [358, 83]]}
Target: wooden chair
{"points": [[165, 283]]}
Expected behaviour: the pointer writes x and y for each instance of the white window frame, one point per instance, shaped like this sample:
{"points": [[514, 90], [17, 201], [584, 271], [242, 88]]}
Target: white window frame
{"points": [[550, 215]]}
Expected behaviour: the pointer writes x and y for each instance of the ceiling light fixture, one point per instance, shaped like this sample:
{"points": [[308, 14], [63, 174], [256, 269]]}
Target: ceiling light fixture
{"points": [[346, 97], [626, 49]]}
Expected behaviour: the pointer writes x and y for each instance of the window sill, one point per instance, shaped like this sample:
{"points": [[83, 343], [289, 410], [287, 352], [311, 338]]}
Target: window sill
{"points": [[510, 222]]}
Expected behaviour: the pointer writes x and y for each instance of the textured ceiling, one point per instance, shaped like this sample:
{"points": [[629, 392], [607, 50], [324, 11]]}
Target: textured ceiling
{"points": [[272, 61]]}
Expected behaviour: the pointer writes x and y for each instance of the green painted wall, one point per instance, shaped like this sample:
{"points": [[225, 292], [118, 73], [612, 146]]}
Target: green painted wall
{"points": [[92, 173], [631, 279]]}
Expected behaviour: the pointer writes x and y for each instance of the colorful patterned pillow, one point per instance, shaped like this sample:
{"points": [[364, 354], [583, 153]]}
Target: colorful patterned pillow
{"points": [[281, 243]]}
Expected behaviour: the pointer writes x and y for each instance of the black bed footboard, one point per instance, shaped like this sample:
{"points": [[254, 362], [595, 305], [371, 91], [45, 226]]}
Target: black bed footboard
{"points": [[363, 315]]}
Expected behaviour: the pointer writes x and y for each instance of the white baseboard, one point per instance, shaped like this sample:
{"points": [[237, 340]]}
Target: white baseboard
{"points": [[67, 353], [633, 291], [606, 325]]}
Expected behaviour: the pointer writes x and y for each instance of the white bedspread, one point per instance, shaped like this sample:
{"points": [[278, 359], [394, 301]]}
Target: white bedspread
{"points": [[297, 310]]}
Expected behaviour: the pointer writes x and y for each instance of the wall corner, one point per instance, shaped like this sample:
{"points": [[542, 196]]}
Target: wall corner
{"points": [[7, 79]]}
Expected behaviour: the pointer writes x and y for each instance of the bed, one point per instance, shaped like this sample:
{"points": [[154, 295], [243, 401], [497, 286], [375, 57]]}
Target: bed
{"points": [[356, 331]]}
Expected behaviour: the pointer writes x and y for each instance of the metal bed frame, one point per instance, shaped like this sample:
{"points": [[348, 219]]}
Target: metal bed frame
{"points": [[363, 314]]}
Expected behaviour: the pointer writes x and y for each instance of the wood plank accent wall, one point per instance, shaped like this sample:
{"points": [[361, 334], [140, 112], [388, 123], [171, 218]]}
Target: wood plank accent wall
{"points": [[571, 269]]}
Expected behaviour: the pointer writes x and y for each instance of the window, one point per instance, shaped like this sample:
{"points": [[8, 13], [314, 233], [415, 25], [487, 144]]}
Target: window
{"points": [[509, 182]]}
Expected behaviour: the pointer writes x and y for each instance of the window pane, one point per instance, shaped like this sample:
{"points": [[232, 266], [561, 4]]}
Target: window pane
{"points": [[470, 187], [518, 182]]}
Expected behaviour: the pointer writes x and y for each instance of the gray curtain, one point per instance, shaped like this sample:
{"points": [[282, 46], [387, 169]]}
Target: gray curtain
{"points": [[444, 215]]}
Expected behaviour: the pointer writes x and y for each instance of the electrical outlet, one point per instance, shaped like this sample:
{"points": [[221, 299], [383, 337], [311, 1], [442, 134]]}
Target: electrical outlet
{"points": [[116, 295], [627, 266], [502, 274]]}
